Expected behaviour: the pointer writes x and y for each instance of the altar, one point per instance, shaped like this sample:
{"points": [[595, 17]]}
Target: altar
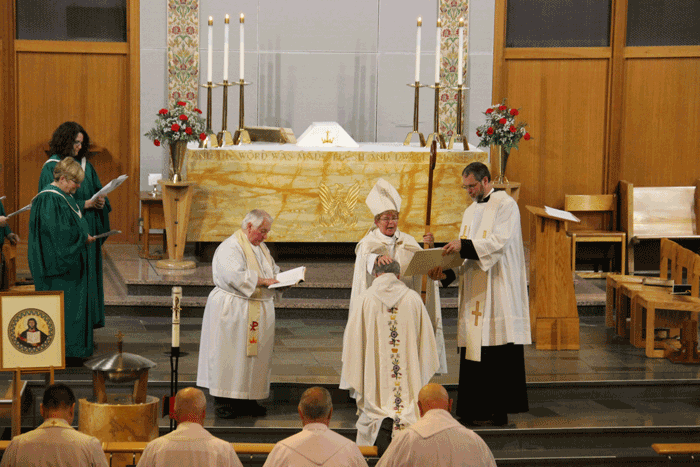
{"points": [[318, 194]]}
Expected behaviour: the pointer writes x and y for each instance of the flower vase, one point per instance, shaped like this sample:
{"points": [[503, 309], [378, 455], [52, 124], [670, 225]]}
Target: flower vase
{"points": [[501, 154], [178, 150]]}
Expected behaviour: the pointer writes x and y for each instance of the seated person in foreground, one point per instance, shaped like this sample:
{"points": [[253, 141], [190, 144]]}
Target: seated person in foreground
{"points": [[55, 442], [316, 445], [437, 439], [389, 355], [190, 443]]}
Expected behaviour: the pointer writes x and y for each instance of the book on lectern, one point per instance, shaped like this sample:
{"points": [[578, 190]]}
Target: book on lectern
{"points": [[289, 278]]}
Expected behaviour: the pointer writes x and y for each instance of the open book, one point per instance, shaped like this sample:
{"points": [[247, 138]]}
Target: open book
{"points": [[425, 260], [291, 277]]}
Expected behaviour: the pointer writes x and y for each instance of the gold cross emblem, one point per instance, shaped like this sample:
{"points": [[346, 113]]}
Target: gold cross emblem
{"points": [[476, 313]]}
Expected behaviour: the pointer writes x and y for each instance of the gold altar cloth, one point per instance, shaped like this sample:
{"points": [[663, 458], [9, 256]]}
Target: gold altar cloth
{"points": [[318, 195]]}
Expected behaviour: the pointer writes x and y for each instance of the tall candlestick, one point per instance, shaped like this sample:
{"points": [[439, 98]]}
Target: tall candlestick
{"points": [[226, 19], [210, 50], [177, 297], [418, 50], [438, 35], [461, 52], [240, 59]]}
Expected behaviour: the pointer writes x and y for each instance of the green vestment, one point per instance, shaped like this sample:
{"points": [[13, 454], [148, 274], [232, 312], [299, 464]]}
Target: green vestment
{"points": [[98, 222], [59, 260]]}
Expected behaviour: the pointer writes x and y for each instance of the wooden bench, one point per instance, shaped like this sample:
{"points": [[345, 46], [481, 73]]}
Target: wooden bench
{"points": [[652, 213]]}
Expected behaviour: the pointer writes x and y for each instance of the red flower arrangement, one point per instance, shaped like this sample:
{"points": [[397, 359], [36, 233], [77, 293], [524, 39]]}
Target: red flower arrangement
{"points": [[501, 129], [178, 124]]}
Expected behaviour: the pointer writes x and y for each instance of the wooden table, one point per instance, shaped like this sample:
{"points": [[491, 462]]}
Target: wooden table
{"points": [[153, 218]]}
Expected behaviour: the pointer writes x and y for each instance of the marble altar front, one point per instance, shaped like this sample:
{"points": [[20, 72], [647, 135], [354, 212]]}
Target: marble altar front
{"points": [[318, 195]]}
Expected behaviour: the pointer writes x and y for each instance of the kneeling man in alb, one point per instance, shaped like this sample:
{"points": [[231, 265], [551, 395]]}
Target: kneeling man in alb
{"points": [[390, 356]]}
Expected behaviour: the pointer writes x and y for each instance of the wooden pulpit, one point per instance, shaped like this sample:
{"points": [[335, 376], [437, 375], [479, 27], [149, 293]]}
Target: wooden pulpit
{"points": [[553, 314], [177, 201]]}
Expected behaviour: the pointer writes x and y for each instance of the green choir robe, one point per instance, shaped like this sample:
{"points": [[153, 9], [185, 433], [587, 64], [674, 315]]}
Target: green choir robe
{"points": [[98, 222], [59, 260]]}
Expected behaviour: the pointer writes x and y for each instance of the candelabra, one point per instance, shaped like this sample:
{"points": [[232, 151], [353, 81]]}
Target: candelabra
{"points": [[210, 141], [460, 117], [241, 136], [407, 141], [436, 135], [224, 136]]}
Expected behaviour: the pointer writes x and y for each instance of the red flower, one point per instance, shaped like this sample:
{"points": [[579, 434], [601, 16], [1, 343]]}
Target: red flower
{"points": [[181, 103], [489, 111], [502, 121], [514, 112], [163, 111], [489, 131], [502, 107], [156, 142], [202, 136], [478, 133], [512, 129], [175, 127], [183, 117], [188, 130], [527, 136], [197, 110]]}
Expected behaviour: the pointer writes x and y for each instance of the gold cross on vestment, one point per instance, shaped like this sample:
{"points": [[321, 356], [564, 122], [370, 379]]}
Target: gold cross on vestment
{"points": [[476, 313]]}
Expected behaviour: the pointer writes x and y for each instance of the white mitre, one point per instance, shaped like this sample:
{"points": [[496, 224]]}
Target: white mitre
{"points": [[383, 197]]}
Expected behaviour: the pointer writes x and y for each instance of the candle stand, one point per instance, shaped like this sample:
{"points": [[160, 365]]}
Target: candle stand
{"points": [[210, 141], [241, 136], [407, 141], [224, 136], [460, 117], [436, 135]]}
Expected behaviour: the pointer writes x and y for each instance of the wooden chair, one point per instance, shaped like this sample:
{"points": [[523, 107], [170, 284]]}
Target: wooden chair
{"points": [[664, 310], [605, 207]]}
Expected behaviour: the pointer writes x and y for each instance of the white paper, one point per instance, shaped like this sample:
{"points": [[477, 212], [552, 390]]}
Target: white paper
{"points": [[425, 260], [291, 277], [108, 188], [153, 179], [564, 215], [26, 208]]}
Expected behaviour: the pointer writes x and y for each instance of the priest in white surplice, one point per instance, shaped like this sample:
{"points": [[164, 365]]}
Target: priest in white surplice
{"points": [[238, 328], [391, 354], [190, 443], [316, 444], [437, 439], [494, 317], [385, 242]]}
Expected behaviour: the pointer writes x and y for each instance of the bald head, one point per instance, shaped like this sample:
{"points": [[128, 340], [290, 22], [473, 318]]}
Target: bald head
{"points": [[316, 406], [190, 405], [433, 396]]}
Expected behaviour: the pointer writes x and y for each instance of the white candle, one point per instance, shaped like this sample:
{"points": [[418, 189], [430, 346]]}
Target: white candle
{"points": [[226, 19], [438, 35], [177, 297], [240, 59], [418, 50], [210, 51], [461, 52]]}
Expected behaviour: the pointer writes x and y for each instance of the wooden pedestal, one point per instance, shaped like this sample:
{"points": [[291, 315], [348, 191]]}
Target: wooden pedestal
{"points": [[113, 422], [177, 200], [553, 314]]}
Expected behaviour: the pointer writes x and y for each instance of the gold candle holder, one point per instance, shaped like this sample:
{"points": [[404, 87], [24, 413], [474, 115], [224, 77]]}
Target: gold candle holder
{"points": [[460, 118], [210, 141], [407, 141], [224, 136], [241, 136], [436, 135]]}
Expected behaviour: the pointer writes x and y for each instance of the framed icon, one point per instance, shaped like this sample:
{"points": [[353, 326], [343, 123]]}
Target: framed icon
{"points": [[31, 331]]}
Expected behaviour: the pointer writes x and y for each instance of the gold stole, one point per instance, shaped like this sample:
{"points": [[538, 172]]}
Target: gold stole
{"points": [[254, 301], [477, 283]]}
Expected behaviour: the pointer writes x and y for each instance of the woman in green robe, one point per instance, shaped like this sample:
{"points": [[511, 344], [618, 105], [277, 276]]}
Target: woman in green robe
{"points": [[71, 140], [13, 238], [58, 254]]}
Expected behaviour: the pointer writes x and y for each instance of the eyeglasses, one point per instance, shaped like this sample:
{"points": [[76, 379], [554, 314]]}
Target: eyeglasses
{"points": [[77, 143], [389, 219]]}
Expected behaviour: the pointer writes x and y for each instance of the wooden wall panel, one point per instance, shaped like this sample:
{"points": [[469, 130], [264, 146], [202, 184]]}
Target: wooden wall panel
{"points": [[564, 103], [661, 122], [91, 90]]}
